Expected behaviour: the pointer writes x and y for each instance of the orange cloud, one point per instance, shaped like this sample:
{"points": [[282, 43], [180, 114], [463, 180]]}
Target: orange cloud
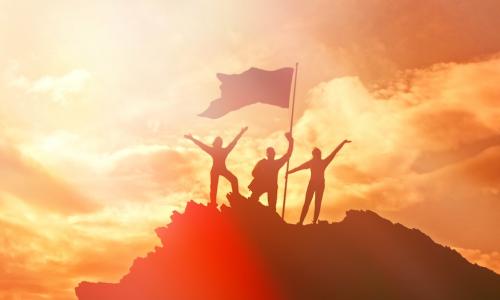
{"points": [[421, 151], [374, 38], [57, 88], [490, 260], [29, 181], [425, 148], [39, 262]]}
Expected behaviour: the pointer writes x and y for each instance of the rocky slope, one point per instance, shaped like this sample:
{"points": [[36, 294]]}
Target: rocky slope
{"points": [[247, 252]]}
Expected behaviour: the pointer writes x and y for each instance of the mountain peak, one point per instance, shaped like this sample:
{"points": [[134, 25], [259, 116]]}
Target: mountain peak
{"points": [[246, 251]]}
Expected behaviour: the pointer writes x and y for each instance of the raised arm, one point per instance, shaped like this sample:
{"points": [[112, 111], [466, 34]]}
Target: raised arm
{"points": [[303, 166], [330, 157], [236, 139], [198, 143], [288, 153]]}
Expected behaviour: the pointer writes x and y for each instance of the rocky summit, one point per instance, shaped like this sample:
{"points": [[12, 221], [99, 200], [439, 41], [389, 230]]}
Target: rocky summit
{"points": [[246, 251]]}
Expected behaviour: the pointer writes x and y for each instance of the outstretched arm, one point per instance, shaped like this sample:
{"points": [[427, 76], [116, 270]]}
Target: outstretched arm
{"points": [[288, 153], [236, 139], [198, 143], [303, 166], [330, 157]]}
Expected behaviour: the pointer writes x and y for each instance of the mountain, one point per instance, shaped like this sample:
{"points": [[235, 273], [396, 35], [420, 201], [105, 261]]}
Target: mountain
{"points": [[246, 251]]}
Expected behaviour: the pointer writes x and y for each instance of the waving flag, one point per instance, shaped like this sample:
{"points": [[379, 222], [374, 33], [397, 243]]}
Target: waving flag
{"points": [[252, 86]]}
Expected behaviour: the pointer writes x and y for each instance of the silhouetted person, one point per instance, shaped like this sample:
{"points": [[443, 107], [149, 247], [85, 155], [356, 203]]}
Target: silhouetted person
{"points": [[316, 185], [265, 174], [219, 155]]}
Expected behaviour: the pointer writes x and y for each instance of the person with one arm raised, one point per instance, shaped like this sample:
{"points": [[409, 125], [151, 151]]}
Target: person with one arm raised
{"points": [[316, 185], [219, 155], [265, 174]]}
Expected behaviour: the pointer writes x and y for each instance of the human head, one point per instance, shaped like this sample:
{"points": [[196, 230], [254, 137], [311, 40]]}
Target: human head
{"points": [[316, 153], [270, 153], [217, 142]]}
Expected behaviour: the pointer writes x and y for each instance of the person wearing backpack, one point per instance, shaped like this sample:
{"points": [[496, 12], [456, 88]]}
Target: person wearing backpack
{"points": [[265, 174]]}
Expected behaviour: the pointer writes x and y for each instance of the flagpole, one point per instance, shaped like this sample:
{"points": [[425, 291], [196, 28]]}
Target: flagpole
{"points": [[291, 131]]}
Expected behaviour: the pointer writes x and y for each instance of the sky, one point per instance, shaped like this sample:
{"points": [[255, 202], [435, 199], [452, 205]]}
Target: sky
{"points": [[95, 97]]}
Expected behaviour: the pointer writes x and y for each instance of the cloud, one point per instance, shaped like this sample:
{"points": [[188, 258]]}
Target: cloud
{"points": [[29, 181], [160, 170], [491, 260], [461, 203], [425, 139], [374, 38], [430, 161], [58, 89], [47, 255], [424, 151]]}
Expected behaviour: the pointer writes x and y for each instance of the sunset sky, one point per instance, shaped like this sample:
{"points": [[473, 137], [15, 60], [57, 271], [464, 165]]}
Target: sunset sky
{"points": [[95, 97]]}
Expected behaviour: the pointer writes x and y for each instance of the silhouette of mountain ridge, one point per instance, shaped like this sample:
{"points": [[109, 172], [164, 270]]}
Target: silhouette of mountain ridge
{"points": [[246, 251]]}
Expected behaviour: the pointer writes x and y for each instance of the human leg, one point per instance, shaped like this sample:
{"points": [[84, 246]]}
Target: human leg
{"points": [[307, 202], [256, 195], [214, 183], [232, 179], [318, 198], [272, 197]]}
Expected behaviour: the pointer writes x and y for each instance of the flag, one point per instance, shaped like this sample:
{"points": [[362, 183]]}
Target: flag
{"points": [[252, 86]]}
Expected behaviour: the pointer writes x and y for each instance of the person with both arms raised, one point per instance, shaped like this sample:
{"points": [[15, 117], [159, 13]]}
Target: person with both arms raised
{"points": [[219, 168]]}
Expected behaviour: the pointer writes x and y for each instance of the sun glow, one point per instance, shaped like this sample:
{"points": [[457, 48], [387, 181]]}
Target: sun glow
{"points": [[96, 96]]}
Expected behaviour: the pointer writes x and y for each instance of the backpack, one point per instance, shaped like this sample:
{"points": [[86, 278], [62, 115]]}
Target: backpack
{"points": [[259, 168]]}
